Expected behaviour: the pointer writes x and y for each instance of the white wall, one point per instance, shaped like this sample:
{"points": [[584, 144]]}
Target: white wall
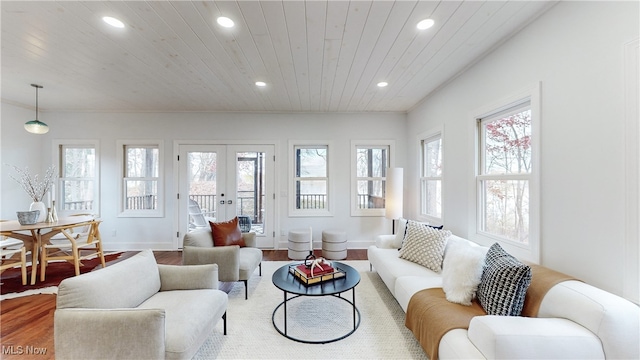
{"points": [[576, 51], [24, 151], [159, 233]]}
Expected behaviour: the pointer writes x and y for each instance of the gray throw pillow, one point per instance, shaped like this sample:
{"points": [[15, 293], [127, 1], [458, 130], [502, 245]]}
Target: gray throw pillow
{"points": [[503, 284]]}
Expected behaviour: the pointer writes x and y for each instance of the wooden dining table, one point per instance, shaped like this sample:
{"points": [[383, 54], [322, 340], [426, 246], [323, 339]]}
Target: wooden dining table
{"points": [[34, 236]]}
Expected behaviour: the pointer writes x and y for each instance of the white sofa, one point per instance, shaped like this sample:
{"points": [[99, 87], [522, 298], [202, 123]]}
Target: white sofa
{"points": [[575, 320]]}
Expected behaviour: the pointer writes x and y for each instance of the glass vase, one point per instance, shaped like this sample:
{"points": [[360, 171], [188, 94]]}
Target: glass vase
{"points": [[54, 212]]}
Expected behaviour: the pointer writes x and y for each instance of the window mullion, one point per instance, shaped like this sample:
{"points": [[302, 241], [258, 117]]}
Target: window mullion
{"points": [[504, 177]]}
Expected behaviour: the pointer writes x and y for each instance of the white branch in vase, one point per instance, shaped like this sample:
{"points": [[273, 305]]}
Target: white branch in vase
{"points": [[35, 188]]}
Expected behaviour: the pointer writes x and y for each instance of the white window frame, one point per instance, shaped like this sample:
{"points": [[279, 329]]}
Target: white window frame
{"points": [[148, 213], [293, 212], [56, 192], [374, 144], [423, 139], [530, 251]]}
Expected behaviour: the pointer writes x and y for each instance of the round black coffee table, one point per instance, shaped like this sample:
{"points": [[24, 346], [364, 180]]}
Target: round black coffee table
{"points": [[285, 281]]}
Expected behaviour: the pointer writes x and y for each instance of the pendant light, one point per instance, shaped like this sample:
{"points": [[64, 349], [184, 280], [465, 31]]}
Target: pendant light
{"points": [[36, 126]]}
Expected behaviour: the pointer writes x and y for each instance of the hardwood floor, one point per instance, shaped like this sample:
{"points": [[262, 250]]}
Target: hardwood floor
{"points": [[26, 323]]}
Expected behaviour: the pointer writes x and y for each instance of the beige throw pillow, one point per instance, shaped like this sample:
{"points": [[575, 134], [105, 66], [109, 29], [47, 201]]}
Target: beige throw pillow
{"points": [[424, 245]]}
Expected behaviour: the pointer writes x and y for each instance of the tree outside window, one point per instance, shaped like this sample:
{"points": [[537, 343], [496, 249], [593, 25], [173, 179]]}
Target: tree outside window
{"points": [[78, 179], [141, 177]]}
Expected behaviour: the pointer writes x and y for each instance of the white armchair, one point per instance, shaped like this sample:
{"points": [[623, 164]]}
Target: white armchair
{"points": [[235, 263]]}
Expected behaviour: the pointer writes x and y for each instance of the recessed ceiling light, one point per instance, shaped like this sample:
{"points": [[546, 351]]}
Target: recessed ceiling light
{"points": [[425, 24], [113, 22], [261, 83], [225, 21], [382, 84]]}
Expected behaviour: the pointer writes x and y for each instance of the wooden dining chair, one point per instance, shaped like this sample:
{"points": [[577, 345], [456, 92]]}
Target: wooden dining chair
{"points": [[74, 246], [12, 252]]}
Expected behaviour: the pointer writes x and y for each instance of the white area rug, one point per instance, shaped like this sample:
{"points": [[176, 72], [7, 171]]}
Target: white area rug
{"points": [[251, 334]]}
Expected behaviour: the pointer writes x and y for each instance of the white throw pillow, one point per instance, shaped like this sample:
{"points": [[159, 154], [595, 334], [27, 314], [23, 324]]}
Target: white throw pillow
{"points": [[462, 271], [424, 245]]}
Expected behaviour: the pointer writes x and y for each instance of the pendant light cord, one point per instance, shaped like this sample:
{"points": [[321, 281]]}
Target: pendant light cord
{"points": [[36, 103], [37, 87]]}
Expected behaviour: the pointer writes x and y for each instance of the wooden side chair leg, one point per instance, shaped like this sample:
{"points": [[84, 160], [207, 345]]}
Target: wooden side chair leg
{"points": [[99, 243], [101, 253], [43, 263], [23, 260], [76, 259]]}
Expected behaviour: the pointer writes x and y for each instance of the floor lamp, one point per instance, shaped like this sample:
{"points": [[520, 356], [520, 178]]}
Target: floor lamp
{"points": [[393, 196]]}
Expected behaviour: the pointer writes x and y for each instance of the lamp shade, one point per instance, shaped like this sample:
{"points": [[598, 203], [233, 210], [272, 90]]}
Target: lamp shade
{"points": [[36, 127], [393, 193]]}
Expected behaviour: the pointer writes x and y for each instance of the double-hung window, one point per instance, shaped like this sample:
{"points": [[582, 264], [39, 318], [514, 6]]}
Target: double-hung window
{"points": [[505, 173], [431, 177], [141, 180], [77, 189], [506, 181], [370, 162], [310, 180]]}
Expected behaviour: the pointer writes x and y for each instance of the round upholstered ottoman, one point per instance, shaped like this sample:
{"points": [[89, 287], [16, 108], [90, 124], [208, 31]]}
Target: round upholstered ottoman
{"points": [[334, 244], [299, 244]]}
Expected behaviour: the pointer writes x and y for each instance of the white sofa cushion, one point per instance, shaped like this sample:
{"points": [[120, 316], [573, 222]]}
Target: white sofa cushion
{"points": [[455, 344], [127, 284], [424, 245], [386, 242], [190, 317], [461, 271], [616, 321], [407, 286], [390, 267], [513, 337]]}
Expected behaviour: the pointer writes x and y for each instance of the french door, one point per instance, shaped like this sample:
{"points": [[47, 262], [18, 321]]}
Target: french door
{"points": [[227, 181]]}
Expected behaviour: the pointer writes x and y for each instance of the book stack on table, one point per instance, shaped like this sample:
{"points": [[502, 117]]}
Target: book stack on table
{"points": [[305, 275]]}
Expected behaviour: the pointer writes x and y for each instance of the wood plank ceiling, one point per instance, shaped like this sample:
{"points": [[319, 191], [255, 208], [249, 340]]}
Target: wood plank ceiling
{"points": [[314, 56]]}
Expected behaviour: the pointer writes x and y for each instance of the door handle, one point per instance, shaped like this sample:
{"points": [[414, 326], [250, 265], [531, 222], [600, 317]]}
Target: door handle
{"points": [[229, 202]]}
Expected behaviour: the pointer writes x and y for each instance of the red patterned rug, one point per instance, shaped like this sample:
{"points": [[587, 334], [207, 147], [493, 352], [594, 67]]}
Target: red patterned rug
{"points": [[11, 279]]}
